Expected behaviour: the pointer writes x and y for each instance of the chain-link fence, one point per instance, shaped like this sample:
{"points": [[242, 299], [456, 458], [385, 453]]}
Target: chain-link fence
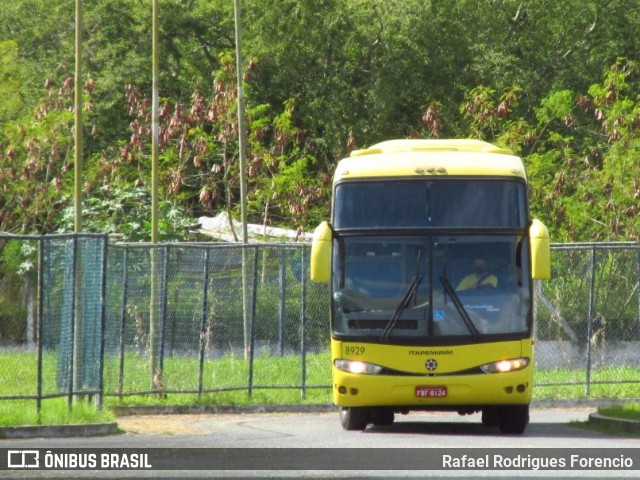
{"points": [[52, 320], [195, 335], [588, 318], [82, 316]]}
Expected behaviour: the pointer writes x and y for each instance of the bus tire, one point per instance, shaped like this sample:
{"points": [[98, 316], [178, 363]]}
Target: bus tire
{"points": [[514, 419], [354, 418], [491, 416], [382, 417]]}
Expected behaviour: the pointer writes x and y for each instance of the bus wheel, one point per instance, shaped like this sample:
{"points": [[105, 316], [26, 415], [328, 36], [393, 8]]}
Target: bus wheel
{"points": [[354, 418], [491, 416], [514, 418], [382, 416]]}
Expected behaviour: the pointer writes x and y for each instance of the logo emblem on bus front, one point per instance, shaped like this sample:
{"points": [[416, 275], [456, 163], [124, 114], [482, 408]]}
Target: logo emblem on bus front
{"points": [[431, 364]]}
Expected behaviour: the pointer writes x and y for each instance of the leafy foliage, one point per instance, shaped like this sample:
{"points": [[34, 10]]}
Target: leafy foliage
{"points": [[553, 81]]}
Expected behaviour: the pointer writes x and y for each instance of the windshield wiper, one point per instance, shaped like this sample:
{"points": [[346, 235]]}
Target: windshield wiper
{"points": [[402, 306], [449, 290], [406, 299]]}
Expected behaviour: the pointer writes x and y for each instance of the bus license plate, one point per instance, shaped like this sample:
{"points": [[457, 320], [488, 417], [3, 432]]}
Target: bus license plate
{"points": [[431, 392]]}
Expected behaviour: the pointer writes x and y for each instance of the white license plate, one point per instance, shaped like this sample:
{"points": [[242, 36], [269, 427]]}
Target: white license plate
{"points": [[431, 392]]}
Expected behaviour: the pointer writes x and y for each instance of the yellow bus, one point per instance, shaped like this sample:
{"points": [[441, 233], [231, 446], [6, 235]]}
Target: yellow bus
{"points": [[430, 256]]}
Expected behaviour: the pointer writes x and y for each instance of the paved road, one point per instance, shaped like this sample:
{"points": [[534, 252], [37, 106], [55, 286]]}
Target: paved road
{"points": [[549, 428]]}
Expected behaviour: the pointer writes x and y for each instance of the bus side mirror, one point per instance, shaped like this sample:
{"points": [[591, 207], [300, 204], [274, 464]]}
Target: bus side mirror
{"points": [[540, 251], [321, 253]]}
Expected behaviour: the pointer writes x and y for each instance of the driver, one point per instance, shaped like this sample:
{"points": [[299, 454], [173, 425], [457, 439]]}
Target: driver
{"points": [[479, 278]]}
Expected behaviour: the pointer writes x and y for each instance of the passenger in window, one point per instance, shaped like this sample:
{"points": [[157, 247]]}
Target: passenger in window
{"points": [[480, 277]]}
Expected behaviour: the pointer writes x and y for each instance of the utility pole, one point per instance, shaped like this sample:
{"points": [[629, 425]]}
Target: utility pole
{"points": [[243, 178], [78, 122], [155, 120], [78, 317], [241, 126], [155, 373]]}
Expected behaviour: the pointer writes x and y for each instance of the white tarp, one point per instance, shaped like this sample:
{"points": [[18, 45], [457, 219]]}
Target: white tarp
{"points": [[218, 227]]}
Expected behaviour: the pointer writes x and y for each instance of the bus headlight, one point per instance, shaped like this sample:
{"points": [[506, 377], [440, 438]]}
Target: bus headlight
{"points": [[504, 366], [355, 366]]}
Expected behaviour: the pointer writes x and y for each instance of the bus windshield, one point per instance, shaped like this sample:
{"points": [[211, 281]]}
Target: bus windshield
{"points": [[430, 289], [452, 203]]}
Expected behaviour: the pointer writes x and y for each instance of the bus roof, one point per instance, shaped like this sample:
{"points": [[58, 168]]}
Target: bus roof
{"points": [[405, 158]]}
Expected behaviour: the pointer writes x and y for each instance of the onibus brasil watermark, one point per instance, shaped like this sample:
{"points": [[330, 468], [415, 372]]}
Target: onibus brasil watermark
{"points": [[292, 459], [36, 459]]}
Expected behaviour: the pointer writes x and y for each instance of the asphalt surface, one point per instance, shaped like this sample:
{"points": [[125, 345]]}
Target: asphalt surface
{"points": [[552, 429]]}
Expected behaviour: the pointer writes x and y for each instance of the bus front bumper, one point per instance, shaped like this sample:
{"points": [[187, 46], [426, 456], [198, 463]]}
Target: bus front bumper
{"points": [[357, 390]]}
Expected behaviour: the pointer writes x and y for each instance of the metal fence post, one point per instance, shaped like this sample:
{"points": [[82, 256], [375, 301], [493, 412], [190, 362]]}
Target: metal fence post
{"points": [[123, 316], [282, 281], [590, 317], [252, 319], [203, 319], [303, 322], [40, 327], [74, 348], [163, 307], [103, 307]]}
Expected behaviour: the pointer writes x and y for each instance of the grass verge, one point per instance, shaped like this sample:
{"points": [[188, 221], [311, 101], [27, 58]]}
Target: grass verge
{"points": [[54, 412], [627, 411], [225, 381]]}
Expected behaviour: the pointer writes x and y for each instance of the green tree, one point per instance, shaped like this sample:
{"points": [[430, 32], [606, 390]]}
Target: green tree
{"points": [[283, 187], [581, 152], [10, 101], [324, 77], [35, 161]]}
